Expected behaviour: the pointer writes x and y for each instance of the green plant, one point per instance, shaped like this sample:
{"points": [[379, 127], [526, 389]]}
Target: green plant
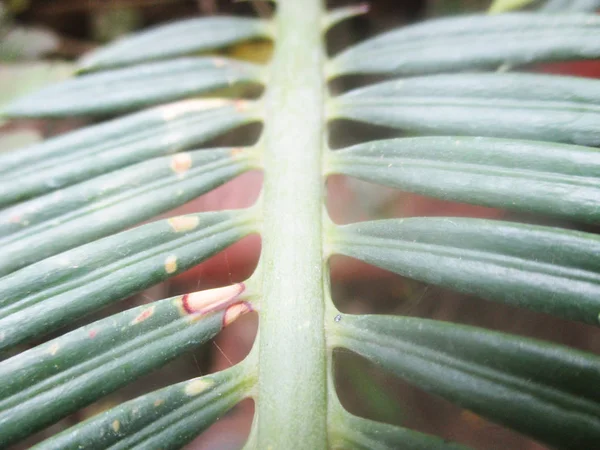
{"points": [[503, 139]]}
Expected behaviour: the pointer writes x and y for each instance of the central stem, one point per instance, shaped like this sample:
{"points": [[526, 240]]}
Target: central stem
{"points": [[291, 401]]}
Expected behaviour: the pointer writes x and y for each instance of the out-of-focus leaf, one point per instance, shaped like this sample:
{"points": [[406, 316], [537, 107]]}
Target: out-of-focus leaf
{"points": [[351, 432], [166, 419], [544, 107], [50, 293], [555, 179], [27, 43], [20, 79], [477, 41], [133, 87], [81, 213], [112, 23], [181, 38], [52, 380], [546, 269], [543, 390], [83, 154], [500, 6], [571, 5], [338, 15]]}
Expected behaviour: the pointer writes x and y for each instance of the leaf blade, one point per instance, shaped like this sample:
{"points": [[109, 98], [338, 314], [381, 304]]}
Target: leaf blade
{"points": [[81, 213], [486, 42], [181, 38], [560, 180], [56, 378], [351, 432], [134, 87], [98, 149], [543, 390], [521, 106], [546, 269], [33, 299]]}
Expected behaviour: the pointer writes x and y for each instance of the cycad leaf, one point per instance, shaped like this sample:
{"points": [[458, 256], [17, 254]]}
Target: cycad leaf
{"points": [[546, 269], [48, 382], [181, 38], [165, 419], [549, 108], [94, 150], [571, 5], [50, 293], [134, 87], [351, 432], [543, 390], [478, 41], [56, 222], [556, 179]]}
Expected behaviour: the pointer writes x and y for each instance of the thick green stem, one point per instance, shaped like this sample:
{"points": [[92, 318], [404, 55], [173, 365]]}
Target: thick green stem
{"points": [[291, 401]]}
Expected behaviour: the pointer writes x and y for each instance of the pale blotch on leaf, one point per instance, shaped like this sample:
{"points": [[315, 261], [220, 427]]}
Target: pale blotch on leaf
{"points": [[196, 387], [174, 110], [157, 403], [53, 349], [171, 264], [116, 425], [181, 224], [181, 163]]}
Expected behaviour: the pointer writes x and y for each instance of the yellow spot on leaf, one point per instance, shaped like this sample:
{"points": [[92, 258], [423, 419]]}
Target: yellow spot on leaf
{"points": [[181, 224], [181, 163], [116, 425], [157, 403], [171, 264], [53, 349], [198, 386]]}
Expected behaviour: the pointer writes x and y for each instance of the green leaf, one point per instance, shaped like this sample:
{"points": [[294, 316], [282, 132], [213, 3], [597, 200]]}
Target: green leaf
{"points": [[134, 87], [485, 42], [571, 5], [181, 38], [73, 216], [549, 108], [50, 293], [167, 419], [20, 79], [94, 150], [54, 379], [546, 269], [540, 177], [546, 391], [500, 6], [351, 432]]}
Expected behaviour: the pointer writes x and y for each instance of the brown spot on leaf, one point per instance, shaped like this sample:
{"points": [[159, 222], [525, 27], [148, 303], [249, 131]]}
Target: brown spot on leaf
{"points": [[171, 264], [235, 311], [181, 163], [184, 223], [144, 315], [196, 387]]}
